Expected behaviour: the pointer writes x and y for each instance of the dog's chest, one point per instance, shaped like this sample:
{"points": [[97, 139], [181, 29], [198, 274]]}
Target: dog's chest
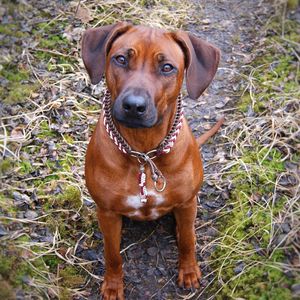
{"points": [[154, 208]]}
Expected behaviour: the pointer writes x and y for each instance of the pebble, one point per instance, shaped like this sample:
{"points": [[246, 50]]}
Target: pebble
{"points": [[207, 126], [205, 21], [152, 251], [225, 195], [30, 214], [135, 253], [211, 232], [162, 271], [90, 255], [220, 105], [295, 290], [239, 267], [286, 228], [3, 231]]}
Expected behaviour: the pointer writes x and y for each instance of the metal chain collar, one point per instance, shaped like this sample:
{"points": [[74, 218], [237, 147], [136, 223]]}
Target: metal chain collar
{"points": [[144, 158]]}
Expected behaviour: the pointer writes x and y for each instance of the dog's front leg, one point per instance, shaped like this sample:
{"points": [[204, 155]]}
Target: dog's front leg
{"points": [[111, 225], [189, 271]]}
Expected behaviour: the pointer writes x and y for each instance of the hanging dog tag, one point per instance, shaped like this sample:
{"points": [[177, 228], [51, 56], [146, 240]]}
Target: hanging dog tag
{"points": [[142, 184]]}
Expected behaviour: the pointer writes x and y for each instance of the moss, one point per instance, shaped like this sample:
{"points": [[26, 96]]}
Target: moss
{"points": [[6, 291], [6, 264], [6, 165], [70, 198], [248, 225], [70, 277], [54, 48], [12, 30], [292, 4], [7, 205], [52, 262], [45, 131], [25, 167], [18, 88], [64, 294], [19, 92]]}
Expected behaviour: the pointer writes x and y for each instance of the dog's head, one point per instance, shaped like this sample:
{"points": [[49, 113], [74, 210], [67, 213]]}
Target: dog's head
{"points": [[144, 68]]}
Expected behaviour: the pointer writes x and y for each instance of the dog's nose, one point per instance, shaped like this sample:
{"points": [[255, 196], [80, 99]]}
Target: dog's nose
{"points": [[135, 106]]}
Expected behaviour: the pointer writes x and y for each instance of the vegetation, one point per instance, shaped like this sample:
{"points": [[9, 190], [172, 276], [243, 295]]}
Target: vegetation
{"points": [[255, 256]]}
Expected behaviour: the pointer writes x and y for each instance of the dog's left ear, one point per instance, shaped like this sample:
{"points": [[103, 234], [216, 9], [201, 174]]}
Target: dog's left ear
{"points": [[201, 59]]}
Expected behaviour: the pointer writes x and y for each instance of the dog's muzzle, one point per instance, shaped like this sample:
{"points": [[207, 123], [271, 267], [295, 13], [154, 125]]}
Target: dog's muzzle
{"points": [[135, 109]]}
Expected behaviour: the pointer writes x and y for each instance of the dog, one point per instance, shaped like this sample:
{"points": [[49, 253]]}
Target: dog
{"points": [[143, 161]]}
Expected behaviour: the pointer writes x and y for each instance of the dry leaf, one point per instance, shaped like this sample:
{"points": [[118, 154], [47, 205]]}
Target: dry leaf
{"points": [[83, 14], [17, 133]]}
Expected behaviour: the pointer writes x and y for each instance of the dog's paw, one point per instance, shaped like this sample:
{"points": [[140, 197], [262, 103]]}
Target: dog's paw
{"points": [[112, 289], [189, 276]]}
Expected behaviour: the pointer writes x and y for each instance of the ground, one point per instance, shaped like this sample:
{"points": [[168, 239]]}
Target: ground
{"points": [[248, 212]]}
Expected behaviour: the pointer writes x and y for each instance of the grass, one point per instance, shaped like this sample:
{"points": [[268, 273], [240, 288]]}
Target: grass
{"points": [[255, 256]]}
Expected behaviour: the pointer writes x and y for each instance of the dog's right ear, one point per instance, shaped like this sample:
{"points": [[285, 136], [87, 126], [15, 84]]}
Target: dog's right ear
{"points": [[96, 43]]}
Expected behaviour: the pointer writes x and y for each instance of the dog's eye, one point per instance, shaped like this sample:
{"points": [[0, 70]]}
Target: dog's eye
{"points": [[121, 60], [167, 68]]}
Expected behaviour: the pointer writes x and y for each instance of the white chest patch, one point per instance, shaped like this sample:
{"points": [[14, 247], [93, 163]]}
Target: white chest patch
{"points": [[134, 201]]}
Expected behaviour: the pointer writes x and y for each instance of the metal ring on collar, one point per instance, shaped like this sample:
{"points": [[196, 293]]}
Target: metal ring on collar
{"points": [[164, 183]]}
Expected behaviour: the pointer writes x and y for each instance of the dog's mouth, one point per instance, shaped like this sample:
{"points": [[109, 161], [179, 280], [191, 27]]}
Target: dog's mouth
{"points": [[137, 123]]}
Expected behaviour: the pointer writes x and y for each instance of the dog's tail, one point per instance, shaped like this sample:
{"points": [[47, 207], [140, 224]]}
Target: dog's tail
{"points": [[204, 137]]}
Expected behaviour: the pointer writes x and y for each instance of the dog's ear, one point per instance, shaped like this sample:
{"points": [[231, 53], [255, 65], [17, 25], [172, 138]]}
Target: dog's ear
{"points": [[201, 59], [96, 43]]}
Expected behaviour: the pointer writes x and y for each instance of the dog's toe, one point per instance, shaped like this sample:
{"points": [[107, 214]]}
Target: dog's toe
{"points": [[189, 276], [112, 290]]}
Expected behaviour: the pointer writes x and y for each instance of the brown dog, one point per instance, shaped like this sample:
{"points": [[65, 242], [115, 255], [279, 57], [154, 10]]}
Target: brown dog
{"points": [[144, 69]]}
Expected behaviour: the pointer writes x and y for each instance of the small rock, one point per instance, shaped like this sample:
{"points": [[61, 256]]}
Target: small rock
{"points": [[220, 105], [239, 267], [211, 232], [249, 213], [286, 228], [207, 126], [205, 21], [162, 271], [30, 214], [281, 239], [90, 255], [3, 231], [150, 271], [225, 195], [97, 235], [287, 180], [135, 279], [152, 251], [17, 196], [135, 253], [46, 239], [296, 290], [213, 204]]}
